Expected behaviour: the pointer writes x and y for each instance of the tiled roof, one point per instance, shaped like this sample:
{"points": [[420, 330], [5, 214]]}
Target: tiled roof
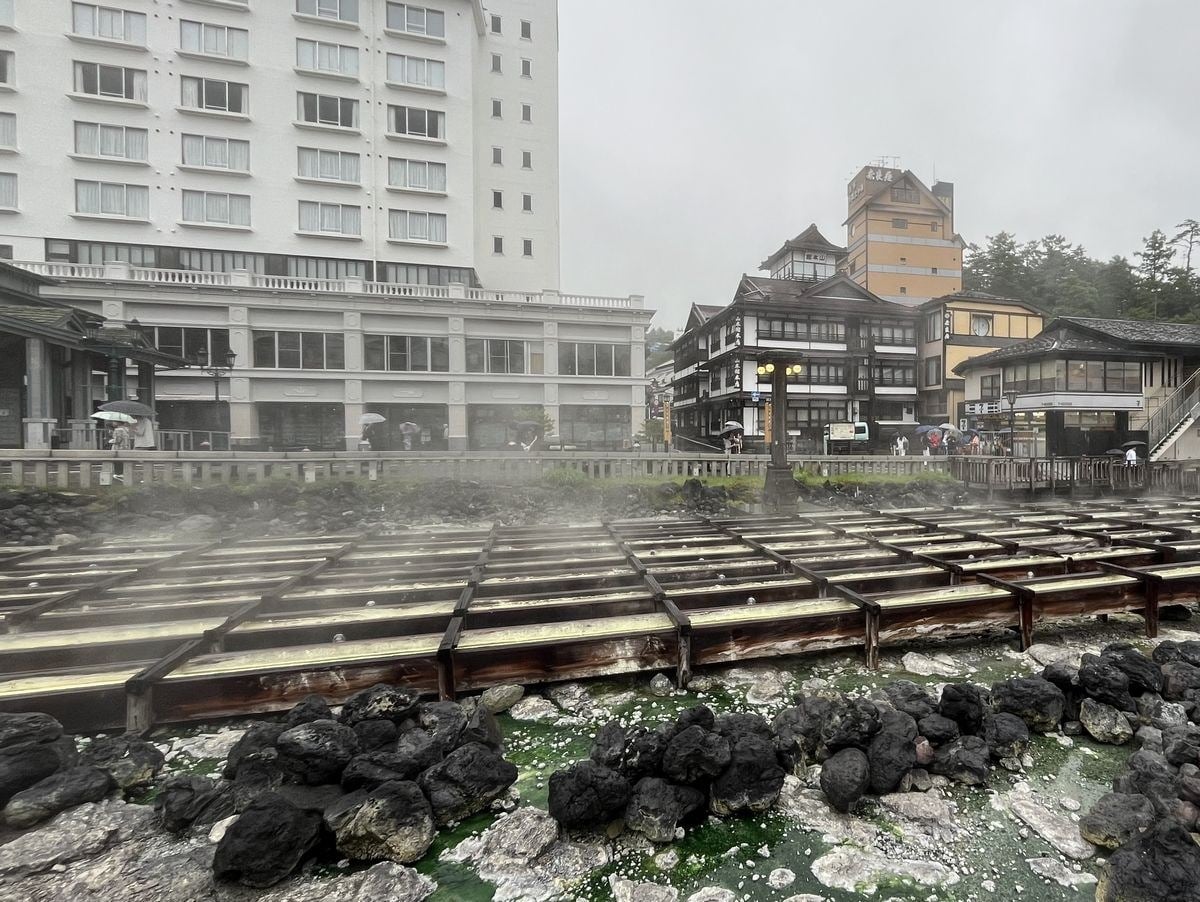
{"points": [[1051, 341], [45, 316], [1139, 331]]}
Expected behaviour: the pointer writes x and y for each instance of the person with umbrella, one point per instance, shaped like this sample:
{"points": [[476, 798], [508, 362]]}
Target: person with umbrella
{"points": [[731, 436], [367, 421], [144, 438]]}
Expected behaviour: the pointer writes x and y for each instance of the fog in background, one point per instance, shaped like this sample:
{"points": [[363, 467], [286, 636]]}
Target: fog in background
{"points": [[698, 135]]}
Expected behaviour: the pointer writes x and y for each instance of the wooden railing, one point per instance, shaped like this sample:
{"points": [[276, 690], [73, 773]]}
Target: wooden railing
{"points": [[87, 469], [1076, 473]]}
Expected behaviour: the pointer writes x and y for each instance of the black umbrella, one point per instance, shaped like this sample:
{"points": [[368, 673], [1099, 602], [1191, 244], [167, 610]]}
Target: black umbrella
{"points": [[1115, 451], [133, 408], [1132, 444]]}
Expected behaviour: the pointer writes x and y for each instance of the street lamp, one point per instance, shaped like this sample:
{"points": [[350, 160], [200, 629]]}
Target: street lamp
{"points": [[219, 367], [1010, 395]]}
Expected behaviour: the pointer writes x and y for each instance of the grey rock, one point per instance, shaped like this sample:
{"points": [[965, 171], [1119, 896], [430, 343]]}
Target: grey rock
{"points": [[1116, 818], [130, 759], [499, 699], [266, 843], [78, 833], [660, 685], [966, 760], [466, 781], [845, 777], [392, 821], [1160, 865], [657, 807], [379, 702], [1104, 723], [56, 793], [1036, 701]]}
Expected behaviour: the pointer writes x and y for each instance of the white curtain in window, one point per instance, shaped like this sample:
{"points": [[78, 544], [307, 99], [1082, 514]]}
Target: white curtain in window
{"points": [[418, 226], [350, 167], [331, 218], [137, 201], [216, 153], [112, 199], [437, 74], [110, 23], [416, 71], [216, 40], [191, 92], [437, 176], [350, 60], [193, 150], [135, 28], [84, 18], [307, 163], [87, 197], [193, 206], [216, 207], [398, 224], [330, 165], [397, 172], [437, 227], [8, 126], [395, 68], [351, 216], [87, 138], [239, 43], [306, 54], [329, 57], [239, 155], [418, 174], [139, 83], [310, 216], [6, 12], [136, 141], [112, 141], [189, 36], [8, 190], [239, 209]]}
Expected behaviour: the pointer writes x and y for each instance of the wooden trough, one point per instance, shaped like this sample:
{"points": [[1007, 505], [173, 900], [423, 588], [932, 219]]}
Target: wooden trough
{"points": [[130, 633]]}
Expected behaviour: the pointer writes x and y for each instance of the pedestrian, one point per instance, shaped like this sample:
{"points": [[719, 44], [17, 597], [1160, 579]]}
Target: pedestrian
{"points": [[121, 440], [144, 438], [1131, 458]]}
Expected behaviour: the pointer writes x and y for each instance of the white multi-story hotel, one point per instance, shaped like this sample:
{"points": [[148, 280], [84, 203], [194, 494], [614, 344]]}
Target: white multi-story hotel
{"points": [[359, 196]]}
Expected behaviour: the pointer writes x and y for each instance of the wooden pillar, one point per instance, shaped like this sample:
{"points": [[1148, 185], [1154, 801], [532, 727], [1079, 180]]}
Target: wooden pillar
{"points": [[871, 637], [1151, 614]]}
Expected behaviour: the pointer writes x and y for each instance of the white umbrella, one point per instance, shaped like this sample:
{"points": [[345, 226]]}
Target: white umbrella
{"points": [[370, 419], [732, 426], [409, 428], [113, 416]]}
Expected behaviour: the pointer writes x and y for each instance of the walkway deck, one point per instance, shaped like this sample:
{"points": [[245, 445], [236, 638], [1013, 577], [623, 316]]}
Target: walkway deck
{"points": [[133, 633]]}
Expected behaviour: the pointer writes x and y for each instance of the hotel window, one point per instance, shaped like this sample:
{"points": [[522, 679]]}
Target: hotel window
{"points": [[497, 245], [527, 247], [8, 130], [330, 219], [903, 289], [328, 165], [112, 199], [526, 112], [6, 13], [496, 25], [504, 356], [497, 63], [214, 40], [111, 24], [325, 109], [497, 156], [116, 82], [497, 200], [417, 175], [8, 191], [933, 371], [933, 227], [905, 194], [406, 354], [216, 208], [989, 387], [416, 225], [416, 71], [527, 203], [117, 142], [527, 68], [588, 359], [216, 153], [526, 30], [416, 20], [341, 10], [497, 109], [319, 56], [899, 223], [526, 159], [214, 94], [8, 69], [416, 123], [185, 342], [299, 350]]}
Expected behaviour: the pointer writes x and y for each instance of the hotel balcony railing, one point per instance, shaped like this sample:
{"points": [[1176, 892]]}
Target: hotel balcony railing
{"points": [[123, 272]]}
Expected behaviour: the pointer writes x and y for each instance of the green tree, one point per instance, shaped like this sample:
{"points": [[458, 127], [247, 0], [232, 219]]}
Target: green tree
{"points": [[1186, 240], [1154, 273], [997, 268], [658, 346]]}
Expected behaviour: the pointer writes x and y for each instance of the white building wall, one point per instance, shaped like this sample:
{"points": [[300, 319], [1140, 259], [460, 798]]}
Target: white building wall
{"points": [[46, 110]]}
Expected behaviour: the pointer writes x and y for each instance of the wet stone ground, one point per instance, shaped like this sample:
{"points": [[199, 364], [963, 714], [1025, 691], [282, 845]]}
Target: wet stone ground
{"points": [[951, 843]]}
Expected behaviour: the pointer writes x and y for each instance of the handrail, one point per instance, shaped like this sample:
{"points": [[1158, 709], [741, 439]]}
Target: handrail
{"points": [[1172, 410]]}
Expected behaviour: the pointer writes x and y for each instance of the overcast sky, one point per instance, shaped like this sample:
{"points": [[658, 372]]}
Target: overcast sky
{"points": [[698, 135]]}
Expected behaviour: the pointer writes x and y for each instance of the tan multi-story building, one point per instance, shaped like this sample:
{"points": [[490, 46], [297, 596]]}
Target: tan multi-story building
{"points": [[957, 328], [900, 237]]}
